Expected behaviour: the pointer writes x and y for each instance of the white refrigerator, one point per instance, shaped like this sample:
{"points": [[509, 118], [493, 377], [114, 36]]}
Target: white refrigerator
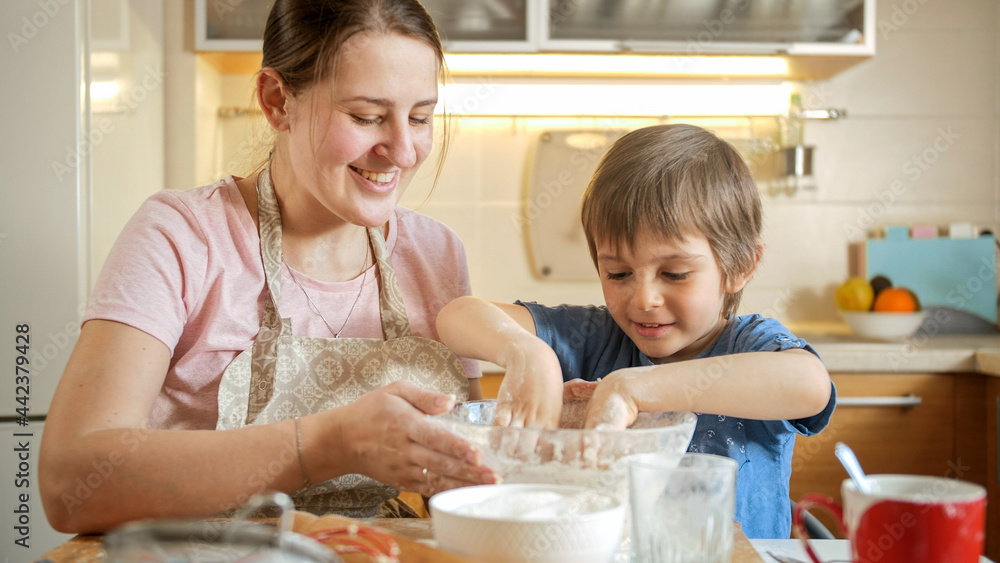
{"points": [[43, 233]]}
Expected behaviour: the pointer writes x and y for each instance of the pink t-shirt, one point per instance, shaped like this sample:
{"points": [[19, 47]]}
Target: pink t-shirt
{"points": [[187, 270]]}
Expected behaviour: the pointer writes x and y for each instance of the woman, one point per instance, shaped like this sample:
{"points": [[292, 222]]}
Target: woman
{"points": [[279, 308]]}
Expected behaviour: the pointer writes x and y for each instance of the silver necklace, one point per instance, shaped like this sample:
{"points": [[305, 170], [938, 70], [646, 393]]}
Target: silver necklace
{"points": [[315, 309], [312, 305]]}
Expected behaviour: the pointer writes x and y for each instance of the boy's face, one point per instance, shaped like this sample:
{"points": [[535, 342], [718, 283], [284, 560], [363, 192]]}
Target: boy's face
{"points": [[667, 296]]}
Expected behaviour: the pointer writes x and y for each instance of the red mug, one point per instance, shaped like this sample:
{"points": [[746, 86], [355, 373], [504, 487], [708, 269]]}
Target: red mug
{"points": [[906, 519]]}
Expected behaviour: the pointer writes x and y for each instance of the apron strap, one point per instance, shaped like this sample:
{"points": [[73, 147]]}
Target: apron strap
{"points": [[269, 218], [393, 311], [265, 349], [395, 323]]}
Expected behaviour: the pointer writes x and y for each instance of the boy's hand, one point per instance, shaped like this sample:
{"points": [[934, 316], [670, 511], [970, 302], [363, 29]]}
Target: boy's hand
{"points": [[611, 404], [579, 390], [531, 393]]}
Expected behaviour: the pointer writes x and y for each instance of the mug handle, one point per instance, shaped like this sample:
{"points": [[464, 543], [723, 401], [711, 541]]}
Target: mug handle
{"points": [[807, 503]]}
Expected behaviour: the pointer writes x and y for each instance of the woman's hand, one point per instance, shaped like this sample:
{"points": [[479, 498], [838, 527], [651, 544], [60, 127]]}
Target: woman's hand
{"points": [[611, 402], [531, 393], [389, 437]]}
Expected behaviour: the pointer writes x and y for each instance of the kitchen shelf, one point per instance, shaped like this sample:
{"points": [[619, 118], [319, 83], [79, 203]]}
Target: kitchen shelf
{"points": [[814, 44]]}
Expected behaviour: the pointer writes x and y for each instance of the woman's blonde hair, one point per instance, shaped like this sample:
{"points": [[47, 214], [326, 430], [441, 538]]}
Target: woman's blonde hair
{"points": [[675, 180]]}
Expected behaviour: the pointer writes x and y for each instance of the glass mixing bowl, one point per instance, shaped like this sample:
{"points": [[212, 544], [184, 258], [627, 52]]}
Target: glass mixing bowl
{"points": [[569, 455]]}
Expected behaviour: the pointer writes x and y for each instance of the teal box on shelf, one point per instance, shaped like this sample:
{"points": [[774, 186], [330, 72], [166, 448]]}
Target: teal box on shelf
{"points": [[945, 272]]}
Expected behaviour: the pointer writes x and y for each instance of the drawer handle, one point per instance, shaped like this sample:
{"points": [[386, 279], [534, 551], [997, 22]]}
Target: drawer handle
{"points": [[906, 401]]}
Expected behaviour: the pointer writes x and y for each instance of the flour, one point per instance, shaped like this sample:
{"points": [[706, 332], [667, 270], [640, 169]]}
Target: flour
{"points": [[538, 505]]}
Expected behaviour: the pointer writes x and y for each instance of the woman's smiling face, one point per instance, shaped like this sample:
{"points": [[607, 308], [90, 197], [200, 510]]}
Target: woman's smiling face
{"points": [[356, 140], [667, 295]]}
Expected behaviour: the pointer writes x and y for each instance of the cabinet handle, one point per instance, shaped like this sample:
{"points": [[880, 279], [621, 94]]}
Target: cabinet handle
{"points": [[906, 401]]}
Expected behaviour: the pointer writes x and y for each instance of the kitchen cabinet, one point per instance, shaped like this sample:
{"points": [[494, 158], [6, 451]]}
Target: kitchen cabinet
{"points": [[817, 38], [227, 25], [464, 25], [504, 26], [694, 27], [914, 423]]}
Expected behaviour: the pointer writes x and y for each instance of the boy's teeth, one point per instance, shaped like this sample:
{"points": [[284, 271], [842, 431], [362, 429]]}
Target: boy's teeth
{"points": [[647, 325], [377, 177]]}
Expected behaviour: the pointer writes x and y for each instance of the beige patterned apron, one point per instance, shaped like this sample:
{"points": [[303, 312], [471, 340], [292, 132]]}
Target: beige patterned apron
{"points": [[283, 376]]}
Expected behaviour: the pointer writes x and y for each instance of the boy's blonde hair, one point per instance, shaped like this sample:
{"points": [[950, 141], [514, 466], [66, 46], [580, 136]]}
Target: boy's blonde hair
{"points": [[673, 180]]}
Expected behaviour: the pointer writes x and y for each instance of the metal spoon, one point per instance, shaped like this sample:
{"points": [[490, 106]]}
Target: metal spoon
{"points": [[850, 462]]}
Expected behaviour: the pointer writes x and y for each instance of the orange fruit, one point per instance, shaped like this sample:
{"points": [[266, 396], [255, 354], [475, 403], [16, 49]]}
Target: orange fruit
{"points": [[895, 300]]}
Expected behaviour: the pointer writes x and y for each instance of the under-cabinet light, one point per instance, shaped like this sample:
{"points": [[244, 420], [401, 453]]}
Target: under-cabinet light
{"points": [[490, 99], [103, 90], [465, 64]]}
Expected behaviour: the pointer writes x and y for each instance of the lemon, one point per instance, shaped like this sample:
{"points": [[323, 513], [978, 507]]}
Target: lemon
{"points": [[855, 294]]}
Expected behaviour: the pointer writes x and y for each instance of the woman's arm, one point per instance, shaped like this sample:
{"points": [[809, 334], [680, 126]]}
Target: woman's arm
{"points": [[101, 465], [531, 391], [782, 385]]}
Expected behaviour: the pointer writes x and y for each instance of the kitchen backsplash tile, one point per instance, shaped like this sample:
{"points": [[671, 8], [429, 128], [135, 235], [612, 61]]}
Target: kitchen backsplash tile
{"points": [[898, 16], [918, 159], [928, 73]]}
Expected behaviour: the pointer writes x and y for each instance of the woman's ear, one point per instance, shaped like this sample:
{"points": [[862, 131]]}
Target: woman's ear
{"points": [[273, 98], [737, 282]]}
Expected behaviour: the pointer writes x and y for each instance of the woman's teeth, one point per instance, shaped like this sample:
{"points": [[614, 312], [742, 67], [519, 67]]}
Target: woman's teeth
{"points": [[377, 177]]}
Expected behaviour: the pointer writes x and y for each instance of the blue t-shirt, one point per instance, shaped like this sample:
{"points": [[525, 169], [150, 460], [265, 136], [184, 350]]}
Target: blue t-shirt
{"points": [[590, 345]]}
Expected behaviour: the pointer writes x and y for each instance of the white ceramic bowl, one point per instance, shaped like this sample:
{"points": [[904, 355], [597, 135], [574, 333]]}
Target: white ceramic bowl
{"points": [[883, 326], [569, 455], [529, 523]]}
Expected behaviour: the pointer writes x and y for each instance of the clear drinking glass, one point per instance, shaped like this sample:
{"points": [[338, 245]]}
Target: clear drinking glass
{"points": [[682, 509]]}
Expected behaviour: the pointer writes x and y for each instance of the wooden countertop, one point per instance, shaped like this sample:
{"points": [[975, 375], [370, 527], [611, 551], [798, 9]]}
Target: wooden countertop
{"points": [[412, 534]]}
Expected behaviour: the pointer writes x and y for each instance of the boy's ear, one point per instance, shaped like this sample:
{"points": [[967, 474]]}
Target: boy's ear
{"points": [[273, 97], [738, 281]]}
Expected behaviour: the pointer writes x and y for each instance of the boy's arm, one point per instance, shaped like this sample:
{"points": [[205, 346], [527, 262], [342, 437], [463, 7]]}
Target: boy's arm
{"points": [[784, 385], [531, 391]]}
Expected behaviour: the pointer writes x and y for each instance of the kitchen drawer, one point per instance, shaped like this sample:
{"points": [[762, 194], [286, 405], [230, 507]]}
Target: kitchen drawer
{"points": [[928, 437]]}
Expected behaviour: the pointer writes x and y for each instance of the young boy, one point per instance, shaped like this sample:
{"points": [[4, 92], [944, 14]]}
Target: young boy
{"points": [[672, 217]]}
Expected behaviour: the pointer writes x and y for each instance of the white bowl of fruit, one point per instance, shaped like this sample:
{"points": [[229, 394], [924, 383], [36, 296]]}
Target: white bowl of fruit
{"points": [[877, 310]]}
